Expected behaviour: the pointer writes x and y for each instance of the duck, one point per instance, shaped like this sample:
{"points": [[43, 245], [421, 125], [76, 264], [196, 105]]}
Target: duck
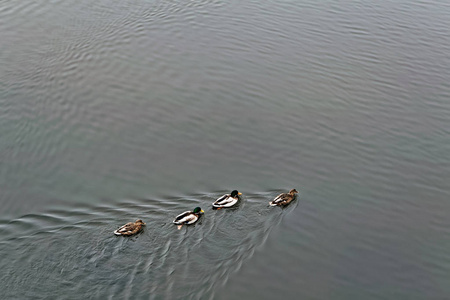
{"points": [[227, 200], [284, 199], [188, 217], [130, 228]]}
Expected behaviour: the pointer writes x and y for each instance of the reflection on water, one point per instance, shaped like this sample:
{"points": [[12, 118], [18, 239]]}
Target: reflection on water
{"points": [[78, 253]]}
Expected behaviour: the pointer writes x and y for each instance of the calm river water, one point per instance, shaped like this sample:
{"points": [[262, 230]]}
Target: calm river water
{"points": [[116, 110]]}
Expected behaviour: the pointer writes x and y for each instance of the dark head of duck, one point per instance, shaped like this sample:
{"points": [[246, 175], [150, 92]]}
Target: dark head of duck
{"points": [[235, 193], [198, 211], [293, 191], [139, 222]]}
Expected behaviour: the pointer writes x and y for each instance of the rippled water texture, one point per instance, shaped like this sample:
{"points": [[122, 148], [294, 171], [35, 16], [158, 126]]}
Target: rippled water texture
{"points": [[116, 110], [75, 252]]}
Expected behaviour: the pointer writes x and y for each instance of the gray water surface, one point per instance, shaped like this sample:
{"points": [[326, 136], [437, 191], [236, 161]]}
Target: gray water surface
{"points": [[113, 111]]}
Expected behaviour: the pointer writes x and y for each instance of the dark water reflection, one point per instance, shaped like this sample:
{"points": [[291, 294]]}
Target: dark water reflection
{"points": [[169, 104]]}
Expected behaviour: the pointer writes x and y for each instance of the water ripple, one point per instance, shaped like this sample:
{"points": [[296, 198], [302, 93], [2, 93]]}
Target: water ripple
{"points": [[76, 247], [131, 99]]}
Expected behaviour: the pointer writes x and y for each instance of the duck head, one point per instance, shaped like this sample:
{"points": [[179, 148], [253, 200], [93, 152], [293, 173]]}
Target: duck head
{"points": [[235, 193], [293, 191], [198, 211]]}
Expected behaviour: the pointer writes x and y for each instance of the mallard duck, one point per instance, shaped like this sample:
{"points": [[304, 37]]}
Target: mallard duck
{"points": [[227, 200], [188, 217], [284, 198], [130, 228]]}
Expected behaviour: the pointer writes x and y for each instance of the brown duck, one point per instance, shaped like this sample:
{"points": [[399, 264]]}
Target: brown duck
{"points": [[284, 198], [130, 228]]}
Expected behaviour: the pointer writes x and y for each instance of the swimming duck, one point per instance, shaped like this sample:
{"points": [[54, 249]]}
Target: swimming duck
{"points": [[130, 228], [188, 217], [227, 200], [284, 198]]}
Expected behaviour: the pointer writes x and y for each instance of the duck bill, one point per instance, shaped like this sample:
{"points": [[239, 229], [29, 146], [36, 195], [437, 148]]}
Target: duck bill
{"points": [[239, 193], [202, 211]]}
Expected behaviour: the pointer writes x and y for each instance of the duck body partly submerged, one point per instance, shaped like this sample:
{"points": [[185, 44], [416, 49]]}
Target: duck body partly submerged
{"points": [[188, 217], [227, 200], [284, 198], [131, 228]]}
